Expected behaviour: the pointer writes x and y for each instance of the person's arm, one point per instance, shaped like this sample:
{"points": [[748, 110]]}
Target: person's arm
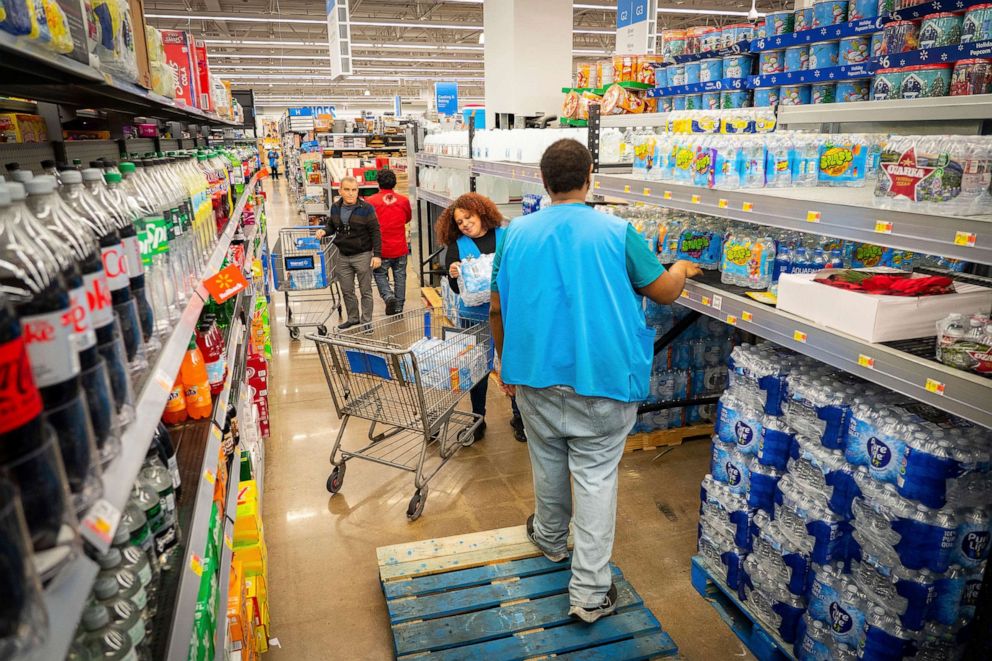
{"points": [[667, 287], [328, 228], [648, 277], [376, 235], [496, 321], [452, 260], [407, 210]]}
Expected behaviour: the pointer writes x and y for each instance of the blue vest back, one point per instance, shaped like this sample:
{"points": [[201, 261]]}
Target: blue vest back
{"points": [[467, 248], [570, 313]]}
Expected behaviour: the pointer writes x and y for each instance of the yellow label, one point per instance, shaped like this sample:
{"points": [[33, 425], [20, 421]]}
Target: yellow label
{"points": [[799, 336], [227, 542], [196, 564], [626, 188], [965, 239], [163, 381], [934, 386], [217, 433], [883, 227], [722, 203], [684, 294], [746, 316], [747, 206], [706, 300], [647, 191], [694, 199], [209, 476], [732, 320], [866, 361], [812, 216], [667, 195], [595, 184]]}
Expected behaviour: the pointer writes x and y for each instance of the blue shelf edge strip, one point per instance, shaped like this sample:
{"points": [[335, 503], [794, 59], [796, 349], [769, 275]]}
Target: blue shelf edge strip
{"points": [[699, 88]]}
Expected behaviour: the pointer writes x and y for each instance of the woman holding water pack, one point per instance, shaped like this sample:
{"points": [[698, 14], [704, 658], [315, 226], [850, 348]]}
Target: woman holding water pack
{"points": [[470, 228]]}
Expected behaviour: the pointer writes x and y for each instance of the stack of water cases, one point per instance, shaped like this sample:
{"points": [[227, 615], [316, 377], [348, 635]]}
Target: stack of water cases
{"points": [[851, 521]]}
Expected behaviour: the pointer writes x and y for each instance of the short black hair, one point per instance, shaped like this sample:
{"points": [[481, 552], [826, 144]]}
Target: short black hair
{"points": [[386, 179], [565, 166]]}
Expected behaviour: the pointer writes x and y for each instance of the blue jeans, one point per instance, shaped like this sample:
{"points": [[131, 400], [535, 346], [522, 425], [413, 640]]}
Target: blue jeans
{"points": [[582, 438], [398, 266]]}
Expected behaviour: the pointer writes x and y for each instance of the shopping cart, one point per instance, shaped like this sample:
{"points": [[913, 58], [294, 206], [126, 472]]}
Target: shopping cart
{"points": [[406, 373], [303, 269]]}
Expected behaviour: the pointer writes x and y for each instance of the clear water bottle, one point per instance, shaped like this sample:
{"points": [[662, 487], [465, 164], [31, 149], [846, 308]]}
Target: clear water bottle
{"points": [[102, 638], [885, 638]]}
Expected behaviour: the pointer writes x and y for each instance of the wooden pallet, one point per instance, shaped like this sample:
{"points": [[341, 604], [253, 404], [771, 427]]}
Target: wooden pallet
{"points": [[764, 644], [492, 595], [657, 439]]}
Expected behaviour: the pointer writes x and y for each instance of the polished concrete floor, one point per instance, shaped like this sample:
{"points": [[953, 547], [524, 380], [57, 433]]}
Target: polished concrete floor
{"points": [[325, 598]]}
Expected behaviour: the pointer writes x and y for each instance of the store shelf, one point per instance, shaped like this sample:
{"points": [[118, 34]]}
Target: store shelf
{"points": [[955, 391], [64, 603], [516, 171], [439, 199], [928, 109], [326, 148], [635, 120], [315, 209], [444, 161], [227, 556], [844, 213]]}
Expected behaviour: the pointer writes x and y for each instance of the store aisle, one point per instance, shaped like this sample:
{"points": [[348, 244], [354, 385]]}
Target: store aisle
{"points": [[325, 599]]}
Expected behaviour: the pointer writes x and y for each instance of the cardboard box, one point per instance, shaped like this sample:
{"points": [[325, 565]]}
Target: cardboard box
{"points": [[871, 317], [178, 46], [140, 43], [20, 128], [204, 89]]}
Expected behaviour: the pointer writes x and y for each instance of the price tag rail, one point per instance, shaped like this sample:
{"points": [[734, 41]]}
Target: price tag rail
{"points": [[434, 198]]}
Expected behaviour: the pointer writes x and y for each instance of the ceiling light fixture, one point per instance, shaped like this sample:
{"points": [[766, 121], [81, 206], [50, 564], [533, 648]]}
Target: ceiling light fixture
{"points": [[237, 56]]}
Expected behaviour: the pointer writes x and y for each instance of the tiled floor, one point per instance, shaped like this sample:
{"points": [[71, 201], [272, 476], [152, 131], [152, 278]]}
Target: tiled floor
{"points": [[325, 599]]}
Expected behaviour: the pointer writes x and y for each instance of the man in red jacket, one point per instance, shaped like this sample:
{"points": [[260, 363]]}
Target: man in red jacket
{"points": [[393, 211]]}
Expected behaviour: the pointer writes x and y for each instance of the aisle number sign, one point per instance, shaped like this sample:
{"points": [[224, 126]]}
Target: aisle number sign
{"points": [[635, 25], [339, 37], [446, 98]]}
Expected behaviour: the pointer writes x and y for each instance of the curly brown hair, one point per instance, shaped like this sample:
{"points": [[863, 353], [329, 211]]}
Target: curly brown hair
{"points": [[475, 204]]}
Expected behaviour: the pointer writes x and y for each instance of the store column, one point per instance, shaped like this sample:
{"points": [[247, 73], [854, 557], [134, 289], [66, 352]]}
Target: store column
{"points": [[528, 58]]}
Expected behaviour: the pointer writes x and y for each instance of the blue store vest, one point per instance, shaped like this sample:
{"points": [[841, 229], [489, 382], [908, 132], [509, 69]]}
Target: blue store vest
{"points": [[467, 248], [570, 313]]}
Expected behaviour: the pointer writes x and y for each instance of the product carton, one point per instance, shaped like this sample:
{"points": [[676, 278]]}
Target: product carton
{"points": [[20, 128], [875, 318], [178, 46], [140, 43], [203, 86]]}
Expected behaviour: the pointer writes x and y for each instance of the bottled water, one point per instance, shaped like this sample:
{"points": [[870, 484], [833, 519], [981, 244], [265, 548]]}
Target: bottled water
{"points": [[815, 406], [816, 643], [938, 643], [903, 592], [926, 466], [973, 537], [823, 473], [775, 443], [809, 519], [762, 482], [885, 637]]}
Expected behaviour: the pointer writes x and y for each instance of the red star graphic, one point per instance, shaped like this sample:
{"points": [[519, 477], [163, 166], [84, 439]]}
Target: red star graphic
{"points": [[905, 175]]}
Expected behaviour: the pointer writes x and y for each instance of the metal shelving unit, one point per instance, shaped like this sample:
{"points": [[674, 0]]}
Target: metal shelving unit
{"points": [[516, 171], [927, 109], [64, 602], [452, 162], [434, 198]]}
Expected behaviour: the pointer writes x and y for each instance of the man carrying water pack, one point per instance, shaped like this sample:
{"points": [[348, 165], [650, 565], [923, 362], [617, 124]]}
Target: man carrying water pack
{"points": [[569, 328]]}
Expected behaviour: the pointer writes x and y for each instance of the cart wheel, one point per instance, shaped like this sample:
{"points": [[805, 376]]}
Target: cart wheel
{"points": [[466, 437], [322, 330], [416, 506], [336, 479], [294, 333]]}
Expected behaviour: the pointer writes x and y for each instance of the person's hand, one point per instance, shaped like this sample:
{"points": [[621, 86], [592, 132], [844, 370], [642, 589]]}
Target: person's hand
{"points": [[320, 234], [508, 390], [690, 269], [455, 270], [376, 262]]}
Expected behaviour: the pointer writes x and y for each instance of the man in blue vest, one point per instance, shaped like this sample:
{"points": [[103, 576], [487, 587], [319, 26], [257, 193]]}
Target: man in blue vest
{"points": [[569, 328]]}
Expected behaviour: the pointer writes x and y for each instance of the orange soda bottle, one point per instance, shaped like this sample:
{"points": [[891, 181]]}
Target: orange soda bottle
{"points": [[175, 407], [196, 382]]}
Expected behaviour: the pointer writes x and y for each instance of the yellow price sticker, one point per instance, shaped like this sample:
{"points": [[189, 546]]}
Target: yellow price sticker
{"points": [[965, 239], [695, 199], [217, 433], [722, 203], [646, 191], [866, 361], [595, 184], [747, 206], [706, 300], [626, 188], [746, 316], [799, 336], [812, 216], [732, 320], [934, 386], [684, 294], [209, 476], [227, 541], [667, 195], [163, 381], [196, 564], [883, 227]]}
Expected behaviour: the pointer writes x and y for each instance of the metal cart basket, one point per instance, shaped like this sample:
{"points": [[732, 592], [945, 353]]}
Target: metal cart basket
{"points": [[303, 269], [406, 373]]}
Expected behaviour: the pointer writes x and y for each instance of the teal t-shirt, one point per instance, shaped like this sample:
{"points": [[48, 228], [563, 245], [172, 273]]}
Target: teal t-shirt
{"points": [[643, 266]]}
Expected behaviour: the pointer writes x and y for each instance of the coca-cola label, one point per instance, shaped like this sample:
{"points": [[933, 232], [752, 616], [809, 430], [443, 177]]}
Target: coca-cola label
{"points": [[20, 401], [51, 349], [115, 267], [98, 299], [78, 319], [133, 251]]}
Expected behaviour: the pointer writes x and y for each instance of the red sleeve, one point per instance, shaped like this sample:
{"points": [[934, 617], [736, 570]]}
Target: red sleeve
{"points": [[407, 211]]}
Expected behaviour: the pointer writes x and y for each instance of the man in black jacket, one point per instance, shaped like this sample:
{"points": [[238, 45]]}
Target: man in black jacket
{"points": [[355, 228]]}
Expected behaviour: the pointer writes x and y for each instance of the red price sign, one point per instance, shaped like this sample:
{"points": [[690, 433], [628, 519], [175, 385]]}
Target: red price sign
{"points": [[226, 283]]}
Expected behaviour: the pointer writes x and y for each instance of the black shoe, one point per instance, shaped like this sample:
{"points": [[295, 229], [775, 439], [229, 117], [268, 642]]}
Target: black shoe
{"points": [[480, 431], [393, 306], [550, 555], [518, 428], [346, 325], [590, 615]]}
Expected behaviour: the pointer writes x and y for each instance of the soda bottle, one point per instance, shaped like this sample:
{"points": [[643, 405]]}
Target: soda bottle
{"points": [[162, 443], [104, 639], [211, 346], [175, 406], [195, 382]]}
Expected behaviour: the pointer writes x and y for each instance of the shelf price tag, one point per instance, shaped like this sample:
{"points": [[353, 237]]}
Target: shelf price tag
{"points": [[812, 216], [695, 199], [667, 195], [934, 386], [746, 316], [227, 542], [722, 203], [965, 239], [163, 381], [595, 184], [626, 188], [883, 227], [717, 302], [732, 320], [646, 191], [799, 336], [196, 564], [217, 433], [747, 206], [705, 300], [684, 294], [101, 521], [209, 476], [866, 361]]}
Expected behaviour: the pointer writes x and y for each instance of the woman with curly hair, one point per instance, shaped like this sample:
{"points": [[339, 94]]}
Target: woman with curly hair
{"points": [[471, 227]]}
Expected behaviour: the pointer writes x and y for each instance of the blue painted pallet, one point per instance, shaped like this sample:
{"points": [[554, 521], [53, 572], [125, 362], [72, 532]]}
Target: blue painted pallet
{"points": [[764, 644], [508, 608]]}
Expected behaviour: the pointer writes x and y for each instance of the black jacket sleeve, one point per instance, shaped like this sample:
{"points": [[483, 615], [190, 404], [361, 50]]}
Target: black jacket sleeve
{"points": [[329, 227]]}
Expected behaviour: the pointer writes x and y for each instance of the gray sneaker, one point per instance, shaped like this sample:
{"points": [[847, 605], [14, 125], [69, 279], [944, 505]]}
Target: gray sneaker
{"points": [[553, 556], [590, 615]]}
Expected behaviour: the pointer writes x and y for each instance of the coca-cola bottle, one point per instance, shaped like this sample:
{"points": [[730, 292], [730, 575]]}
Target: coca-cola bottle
{"points": [[90, 305], [115, 265], [104, 300]]}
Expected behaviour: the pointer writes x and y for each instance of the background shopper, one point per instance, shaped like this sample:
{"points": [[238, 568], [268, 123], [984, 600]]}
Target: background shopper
{"points": [[274, 163], [355, 228], [569, 327], [394, 212], [471, 228]]}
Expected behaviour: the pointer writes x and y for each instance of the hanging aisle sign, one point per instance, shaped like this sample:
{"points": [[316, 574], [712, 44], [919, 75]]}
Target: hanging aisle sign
{"points": [[446, 98], [339, 37], [635, 26]]}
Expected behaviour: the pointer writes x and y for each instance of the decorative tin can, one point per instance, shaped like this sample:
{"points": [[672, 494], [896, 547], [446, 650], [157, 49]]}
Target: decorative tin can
{"points": [[666, 104], [887, 84], [829, 12], [676, 75], [736, 33], [672, 43], [854, 50], [711, 40], [901, 36], [824, 54], [779, 23], [771, 61], [765, 96], [794, 95], [886, 7], [878, 44], [977, 24], [941, 29], [691, 73], [678, 102], [695, 36], [926, 80], [711, 100], [803, 20], [710, 70], [734, 99], [971, 77], [797, 58], [858, 9], [849, 91], [761, 30], [661, 77], [737, 66], [693, 101], [823, 92]]}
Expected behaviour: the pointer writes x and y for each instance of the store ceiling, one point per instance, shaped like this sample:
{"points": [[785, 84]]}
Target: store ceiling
{"points": [[278, 47]]}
